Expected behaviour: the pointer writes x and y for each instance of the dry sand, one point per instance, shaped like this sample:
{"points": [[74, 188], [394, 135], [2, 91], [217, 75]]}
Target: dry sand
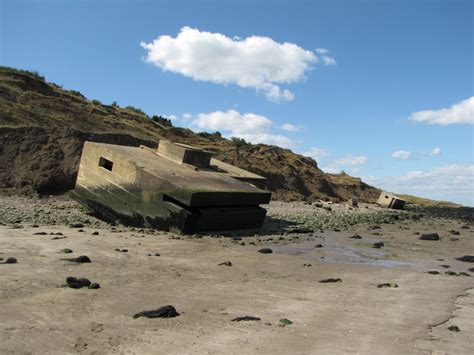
{"points": [[38, 315]]}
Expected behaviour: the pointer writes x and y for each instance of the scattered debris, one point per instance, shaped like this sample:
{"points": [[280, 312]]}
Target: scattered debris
{"points": [[76, 283], [388, 284], [318, 246], [66, 251], [40, 233], [451, 273], [355, 236], [433, 272], [378, 245], [325, 281], [454, 328], [245, 319], [265, 251], [430, 236], [225, 263], [453, 232], [162, 312], [445, 266], [80, 259], [284, 322], [10, 260]]}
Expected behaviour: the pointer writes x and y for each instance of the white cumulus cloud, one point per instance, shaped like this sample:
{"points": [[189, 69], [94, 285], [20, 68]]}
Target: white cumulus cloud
{"points": [[351, 160], [436, 152], [249, 126], [316, 153], [170, 117], [290, 128], [450, 183], [325, 57], [461, 112], [401, 155], [344, 162], [254, 62]]}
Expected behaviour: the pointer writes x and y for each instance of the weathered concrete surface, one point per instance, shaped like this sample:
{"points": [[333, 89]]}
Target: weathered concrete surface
{"points": [[389, 200], [39, 316], [144, 188]]}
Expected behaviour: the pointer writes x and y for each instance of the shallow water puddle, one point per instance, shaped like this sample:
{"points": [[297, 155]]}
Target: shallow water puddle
{"points": [[335, 252]]}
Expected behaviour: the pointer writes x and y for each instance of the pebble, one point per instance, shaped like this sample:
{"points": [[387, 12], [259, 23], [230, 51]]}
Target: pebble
{"points": [[245, 319], [76, 283], [388, 284], [467, 258], [430, 236], [80, 259], [10, 260], [378, 245], [162, 312], [284, 322], [330, 280]]}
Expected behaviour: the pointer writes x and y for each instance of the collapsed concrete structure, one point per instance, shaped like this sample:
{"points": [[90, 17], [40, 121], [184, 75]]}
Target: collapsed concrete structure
{"points": [[176, 187], [389, 200]]}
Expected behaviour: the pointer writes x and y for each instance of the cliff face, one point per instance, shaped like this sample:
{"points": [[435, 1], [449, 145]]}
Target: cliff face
{"points": [[43, 127]]}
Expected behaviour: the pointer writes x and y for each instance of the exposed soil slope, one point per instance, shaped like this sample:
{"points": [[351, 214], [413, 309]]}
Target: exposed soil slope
{"points": [[43, 127]]}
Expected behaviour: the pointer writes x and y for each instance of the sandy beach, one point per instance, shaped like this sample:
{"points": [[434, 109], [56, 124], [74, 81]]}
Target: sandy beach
{"points": [[143, 270]]}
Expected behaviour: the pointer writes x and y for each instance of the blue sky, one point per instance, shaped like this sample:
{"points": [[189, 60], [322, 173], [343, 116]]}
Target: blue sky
{"points": [[355, 73]]}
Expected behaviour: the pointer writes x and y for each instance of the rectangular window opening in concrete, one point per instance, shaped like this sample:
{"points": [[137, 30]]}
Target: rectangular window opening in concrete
{"points": [[106, 163]]}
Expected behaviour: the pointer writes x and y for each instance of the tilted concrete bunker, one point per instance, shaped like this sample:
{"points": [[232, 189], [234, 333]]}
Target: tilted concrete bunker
{"points": [[176, 187], [389, 200]]}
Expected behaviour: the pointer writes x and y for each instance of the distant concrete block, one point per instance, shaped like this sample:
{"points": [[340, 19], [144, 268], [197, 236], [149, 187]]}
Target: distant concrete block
{"points": [[389, 200]]}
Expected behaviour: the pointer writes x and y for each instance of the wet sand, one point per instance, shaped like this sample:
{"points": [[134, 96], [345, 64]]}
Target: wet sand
{"points": [[38, 315]]}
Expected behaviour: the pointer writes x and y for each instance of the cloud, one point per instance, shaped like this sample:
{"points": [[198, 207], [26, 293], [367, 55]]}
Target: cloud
{"points": [[325, 58], [170, 117], [316, 153], [401, 155], [290, 128], [249, 126], [436, 152], [451, 182], [351, 160], [348, 161], [254, 62], [187, 116], [459, 113]]}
